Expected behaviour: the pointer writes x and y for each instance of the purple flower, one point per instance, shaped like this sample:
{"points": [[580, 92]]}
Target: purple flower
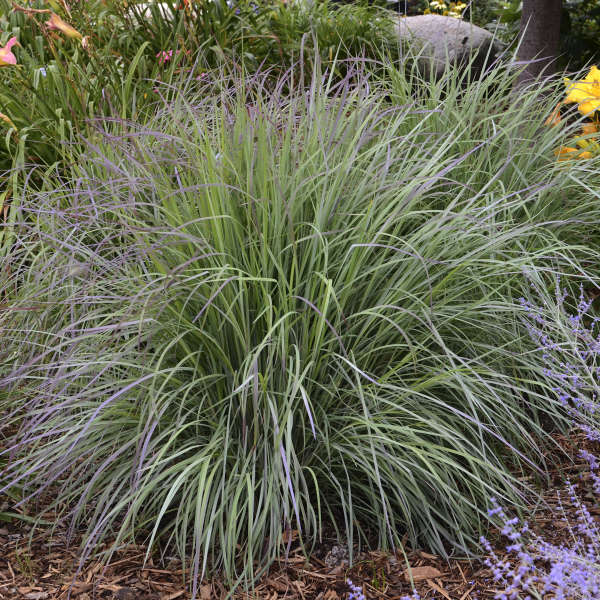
{"points": [[571, 363], [355, 592], [592, 460]]}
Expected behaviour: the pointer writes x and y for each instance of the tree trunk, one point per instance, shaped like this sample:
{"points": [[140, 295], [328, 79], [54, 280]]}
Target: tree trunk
{"points": [[540, 38]]}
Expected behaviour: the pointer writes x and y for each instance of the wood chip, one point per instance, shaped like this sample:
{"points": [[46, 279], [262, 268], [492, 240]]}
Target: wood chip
{"points": [[421, 573], [174, 595], [206, 592], [81, 588], [439, 589], [463, 597]]}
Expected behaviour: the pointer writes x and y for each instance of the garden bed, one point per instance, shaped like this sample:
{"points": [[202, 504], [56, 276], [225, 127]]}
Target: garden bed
{"points": [[329, 295], [46, 567]]}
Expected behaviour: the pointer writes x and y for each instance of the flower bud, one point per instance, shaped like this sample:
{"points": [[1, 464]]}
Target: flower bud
{"points": [[56, 23]]}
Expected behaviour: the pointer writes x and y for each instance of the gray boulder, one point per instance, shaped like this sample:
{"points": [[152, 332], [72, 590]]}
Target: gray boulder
{"points": [[442, 39]]}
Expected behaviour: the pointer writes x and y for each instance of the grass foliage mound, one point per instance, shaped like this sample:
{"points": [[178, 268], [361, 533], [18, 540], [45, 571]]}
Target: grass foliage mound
{"points": [[280, 308]]}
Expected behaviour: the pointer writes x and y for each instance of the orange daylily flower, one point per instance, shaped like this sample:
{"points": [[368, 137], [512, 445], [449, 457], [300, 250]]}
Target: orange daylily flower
{"points": [[554, 118], [7, 58], [56, 23], [567, 153], [565, 150], [589, 129]]}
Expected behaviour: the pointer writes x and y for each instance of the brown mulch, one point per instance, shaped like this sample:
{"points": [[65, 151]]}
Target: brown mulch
{"points": [[38, 572], [45, 568]]}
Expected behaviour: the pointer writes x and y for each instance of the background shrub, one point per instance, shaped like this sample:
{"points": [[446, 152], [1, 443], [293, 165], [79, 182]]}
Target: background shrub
{"points": [[580, 27], [61, 84]]}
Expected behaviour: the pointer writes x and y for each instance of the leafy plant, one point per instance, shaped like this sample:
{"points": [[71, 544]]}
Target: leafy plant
{"points": [[63, 80], [69, 70], [581, 32], [285, 33], [280, 307]]}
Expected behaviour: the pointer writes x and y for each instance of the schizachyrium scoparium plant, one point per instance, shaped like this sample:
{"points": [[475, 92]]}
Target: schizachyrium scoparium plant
{"points": [[269, 309]]}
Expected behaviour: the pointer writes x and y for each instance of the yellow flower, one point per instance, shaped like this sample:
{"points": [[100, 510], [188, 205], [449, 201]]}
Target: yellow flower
{"points": [[55, 22], [452, 9], [586, 93]]}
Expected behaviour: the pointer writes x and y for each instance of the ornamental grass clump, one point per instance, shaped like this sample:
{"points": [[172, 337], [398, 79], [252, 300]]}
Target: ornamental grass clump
{"points": [[276, 310]]}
